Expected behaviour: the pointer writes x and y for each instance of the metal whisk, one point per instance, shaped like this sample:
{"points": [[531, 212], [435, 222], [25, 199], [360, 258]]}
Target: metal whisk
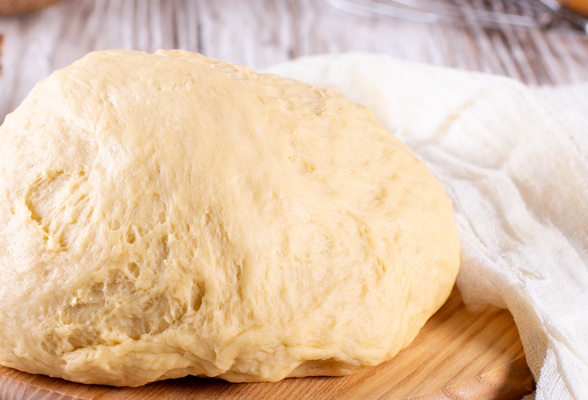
{"points": [[498, 14]]}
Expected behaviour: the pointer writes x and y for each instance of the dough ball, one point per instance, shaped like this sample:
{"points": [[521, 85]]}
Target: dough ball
{"points": [[167, 214]]}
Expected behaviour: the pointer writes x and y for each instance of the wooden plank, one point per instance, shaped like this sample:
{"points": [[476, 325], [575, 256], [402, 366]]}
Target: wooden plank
{"points": [[258, 33]]}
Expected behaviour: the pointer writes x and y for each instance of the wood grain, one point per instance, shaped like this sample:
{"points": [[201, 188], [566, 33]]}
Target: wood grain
{"points": [[461, 353], [258, 33]]}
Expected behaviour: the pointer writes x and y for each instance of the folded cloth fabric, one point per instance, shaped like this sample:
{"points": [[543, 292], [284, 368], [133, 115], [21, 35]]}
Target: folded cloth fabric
{"points": [[574, 96], [515, 164]]}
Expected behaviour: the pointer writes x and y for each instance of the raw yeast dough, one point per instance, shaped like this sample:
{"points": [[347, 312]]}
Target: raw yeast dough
{"points": [[167, 214]]}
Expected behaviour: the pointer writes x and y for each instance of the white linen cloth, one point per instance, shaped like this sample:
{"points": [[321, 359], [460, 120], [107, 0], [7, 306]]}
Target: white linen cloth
{"points": [[515, 164]]}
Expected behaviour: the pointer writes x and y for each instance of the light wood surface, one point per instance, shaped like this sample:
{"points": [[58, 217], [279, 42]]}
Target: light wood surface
{"points": [[461, 353], [258, 33]]}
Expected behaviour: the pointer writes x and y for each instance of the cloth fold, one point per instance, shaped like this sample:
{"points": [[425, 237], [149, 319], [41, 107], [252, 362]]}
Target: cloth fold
{"points": [[515, 164]]}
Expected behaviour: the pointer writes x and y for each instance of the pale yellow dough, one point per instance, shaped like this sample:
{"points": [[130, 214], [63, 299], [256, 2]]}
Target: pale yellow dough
{"points": [[167, 214]]}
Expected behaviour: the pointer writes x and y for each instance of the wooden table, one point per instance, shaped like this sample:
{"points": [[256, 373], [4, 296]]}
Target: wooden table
{"points": [[258, 33]]}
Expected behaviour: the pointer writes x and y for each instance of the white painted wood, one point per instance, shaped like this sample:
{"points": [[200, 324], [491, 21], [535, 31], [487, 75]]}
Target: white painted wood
{"points": [[258, 33]]}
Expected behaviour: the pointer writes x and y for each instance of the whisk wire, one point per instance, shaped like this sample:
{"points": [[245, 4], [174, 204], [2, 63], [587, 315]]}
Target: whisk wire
{"points": [[518, 14]]}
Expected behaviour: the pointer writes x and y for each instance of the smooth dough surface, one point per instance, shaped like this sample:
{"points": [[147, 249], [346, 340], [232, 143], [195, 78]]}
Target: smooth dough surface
{"points": [[166, 214]]}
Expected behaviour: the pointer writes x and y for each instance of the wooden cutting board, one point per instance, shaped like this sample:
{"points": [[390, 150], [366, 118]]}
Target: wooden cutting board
{"points": [[461, 353]]}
